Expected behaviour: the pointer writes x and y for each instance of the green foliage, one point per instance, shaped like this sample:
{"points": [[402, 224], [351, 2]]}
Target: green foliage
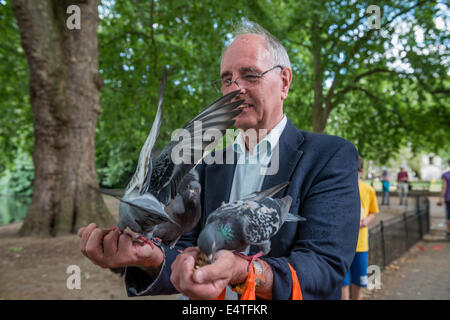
{"points": [[19, 179], [137, 39], [386, 88], [16, 127], [390, 85]]}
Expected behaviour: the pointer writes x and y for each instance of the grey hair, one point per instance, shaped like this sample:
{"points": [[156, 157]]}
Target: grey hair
{"points": [[276, 49]]}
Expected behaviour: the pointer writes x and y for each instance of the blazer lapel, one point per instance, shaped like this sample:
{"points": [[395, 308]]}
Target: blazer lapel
{"points": [[218, 182], [289, 154]]}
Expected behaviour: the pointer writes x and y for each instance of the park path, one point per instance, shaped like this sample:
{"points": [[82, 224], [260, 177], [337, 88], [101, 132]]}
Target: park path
{"points": [[422, 273]]}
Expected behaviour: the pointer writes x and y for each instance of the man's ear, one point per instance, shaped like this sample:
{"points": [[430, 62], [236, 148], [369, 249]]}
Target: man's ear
{"points": [[286, 78]]}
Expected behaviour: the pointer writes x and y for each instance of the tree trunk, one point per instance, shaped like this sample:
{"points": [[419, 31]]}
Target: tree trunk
{"points": [[319, 118], [64, 85]]}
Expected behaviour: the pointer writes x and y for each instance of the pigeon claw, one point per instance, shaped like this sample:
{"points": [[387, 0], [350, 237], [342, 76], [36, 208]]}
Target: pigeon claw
{"points": [[250, 259], [147, 241]]}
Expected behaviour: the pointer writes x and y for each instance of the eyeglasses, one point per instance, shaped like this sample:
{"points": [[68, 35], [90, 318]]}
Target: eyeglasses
{"points": [[247, 80]]}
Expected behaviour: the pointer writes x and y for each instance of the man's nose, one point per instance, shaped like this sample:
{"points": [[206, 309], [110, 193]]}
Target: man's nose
{"points": [[235, 86]]}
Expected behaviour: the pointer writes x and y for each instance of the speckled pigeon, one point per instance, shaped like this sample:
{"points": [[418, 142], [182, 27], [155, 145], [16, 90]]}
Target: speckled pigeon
{"points": [[253, 220], [158, 193]]}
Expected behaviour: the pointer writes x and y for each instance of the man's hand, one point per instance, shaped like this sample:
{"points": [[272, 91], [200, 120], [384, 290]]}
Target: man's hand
{"points": [[208, 281], [109, 249], [364, 223]]}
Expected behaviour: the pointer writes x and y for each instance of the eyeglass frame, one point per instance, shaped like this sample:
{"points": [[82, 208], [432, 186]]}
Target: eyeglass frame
{"points": [[257, 75]]}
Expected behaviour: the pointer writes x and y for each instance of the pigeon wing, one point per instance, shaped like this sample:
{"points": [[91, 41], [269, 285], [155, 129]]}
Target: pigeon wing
{"points": [[151, 213], [142, 171], [218, 116], [260, 223]]}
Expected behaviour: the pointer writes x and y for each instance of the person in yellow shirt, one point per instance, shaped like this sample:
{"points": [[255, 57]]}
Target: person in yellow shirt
{"points": [[358, 269]]}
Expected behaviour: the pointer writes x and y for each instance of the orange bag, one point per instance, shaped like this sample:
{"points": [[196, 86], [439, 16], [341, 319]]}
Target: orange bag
{"points": [[250, 286]]}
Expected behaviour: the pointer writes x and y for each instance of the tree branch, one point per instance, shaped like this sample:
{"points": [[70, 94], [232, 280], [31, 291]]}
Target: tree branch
{"points": [[355, 49], [370, 72], [125, 33]]}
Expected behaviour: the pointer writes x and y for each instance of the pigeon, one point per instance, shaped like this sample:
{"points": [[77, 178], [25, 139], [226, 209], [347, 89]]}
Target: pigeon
{"points": [[163, 192], [185, 209], [252, 220]]}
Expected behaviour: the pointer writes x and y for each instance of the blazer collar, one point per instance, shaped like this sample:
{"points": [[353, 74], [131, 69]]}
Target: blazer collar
{"points": [[289, 154], [219, 177]]}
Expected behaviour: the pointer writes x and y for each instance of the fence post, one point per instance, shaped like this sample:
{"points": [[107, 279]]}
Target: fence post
{"points": [[383, 249], [419, 217], [406, 231]]}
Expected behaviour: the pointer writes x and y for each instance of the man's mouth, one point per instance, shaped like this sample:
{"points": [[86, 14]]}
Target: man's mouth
{"points": [[245, 106]]}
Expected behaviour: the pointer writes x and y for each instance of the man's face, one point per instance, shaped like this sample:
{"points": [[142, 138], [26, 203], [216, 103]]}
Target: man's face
{"points": [[263, 100]]}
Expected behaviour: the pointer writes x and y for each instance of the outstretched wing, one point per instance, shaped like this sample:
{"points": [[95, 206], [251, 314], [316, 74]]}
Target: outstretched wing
{"points": [[166, 175], [143, 170]]}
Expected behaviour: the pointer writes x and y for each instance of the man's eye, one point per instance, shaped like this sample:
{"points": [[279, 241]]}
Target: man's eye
{"points": [[250, 77], [226, 82]]}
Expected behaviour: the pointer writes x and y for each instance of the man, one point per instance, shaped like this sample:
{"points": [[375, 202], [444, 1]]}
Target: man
{"points": [[322, 171], [445, 196], [402, 186], [358, 269]]}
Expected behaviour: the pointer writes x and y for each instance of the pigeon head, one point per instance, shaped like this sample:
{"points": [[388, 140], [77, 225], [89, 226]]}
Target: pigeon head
{"points": [[194, 189], [126, 218], [213, 238]]}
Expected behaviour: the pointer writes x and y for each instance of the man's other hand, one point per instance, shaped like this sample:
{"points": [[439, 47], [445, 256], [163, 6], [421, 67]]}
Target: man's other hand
{"points": [[108, 248], [207, 282]]}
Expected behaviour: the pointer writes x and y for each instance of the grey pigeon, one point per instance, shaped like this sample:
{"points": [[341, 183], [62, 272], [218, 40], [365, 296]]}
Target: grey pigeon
{"points": [[253, 220], [185, 209], [157, 193]]}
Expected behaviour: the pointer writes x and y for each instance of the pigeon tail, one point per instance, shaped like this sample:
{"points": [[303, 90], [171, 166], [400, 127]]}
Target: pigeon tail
{"points": [[257, 196], [293, 218]]}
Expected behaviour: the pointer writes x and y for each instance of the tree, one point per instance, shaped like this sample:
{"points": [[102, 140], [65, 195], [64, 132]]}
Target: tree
{"points": [[64, 86], [346, 55]]}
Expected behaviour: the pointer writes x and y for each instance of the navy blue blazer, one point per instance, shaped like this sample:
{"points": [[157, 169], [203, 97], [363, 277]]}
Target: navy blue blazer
{"points": [[323, 175]]}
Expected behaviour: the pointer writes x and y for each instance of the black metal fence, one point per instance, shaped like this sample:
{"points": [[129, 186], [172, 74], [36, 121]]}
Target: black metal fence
{"points": [[392, 238]]}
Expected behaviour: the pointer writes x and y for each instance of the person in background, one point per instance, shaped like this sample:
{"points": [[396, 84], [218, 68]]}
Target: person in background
{"points": [[358, 268], [385, 188], [445, 196], [402, 186]]}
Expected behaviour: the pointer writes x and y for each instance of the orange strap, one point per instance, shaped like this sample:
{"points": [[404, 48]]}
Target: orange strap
{"points": [[250, 285], [296, 290], [222, 295]]}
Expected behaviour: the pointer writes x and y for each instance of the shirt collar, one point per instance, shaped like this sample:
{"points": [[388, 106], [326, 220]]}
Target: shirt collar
{"points": [[267, 144]]}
